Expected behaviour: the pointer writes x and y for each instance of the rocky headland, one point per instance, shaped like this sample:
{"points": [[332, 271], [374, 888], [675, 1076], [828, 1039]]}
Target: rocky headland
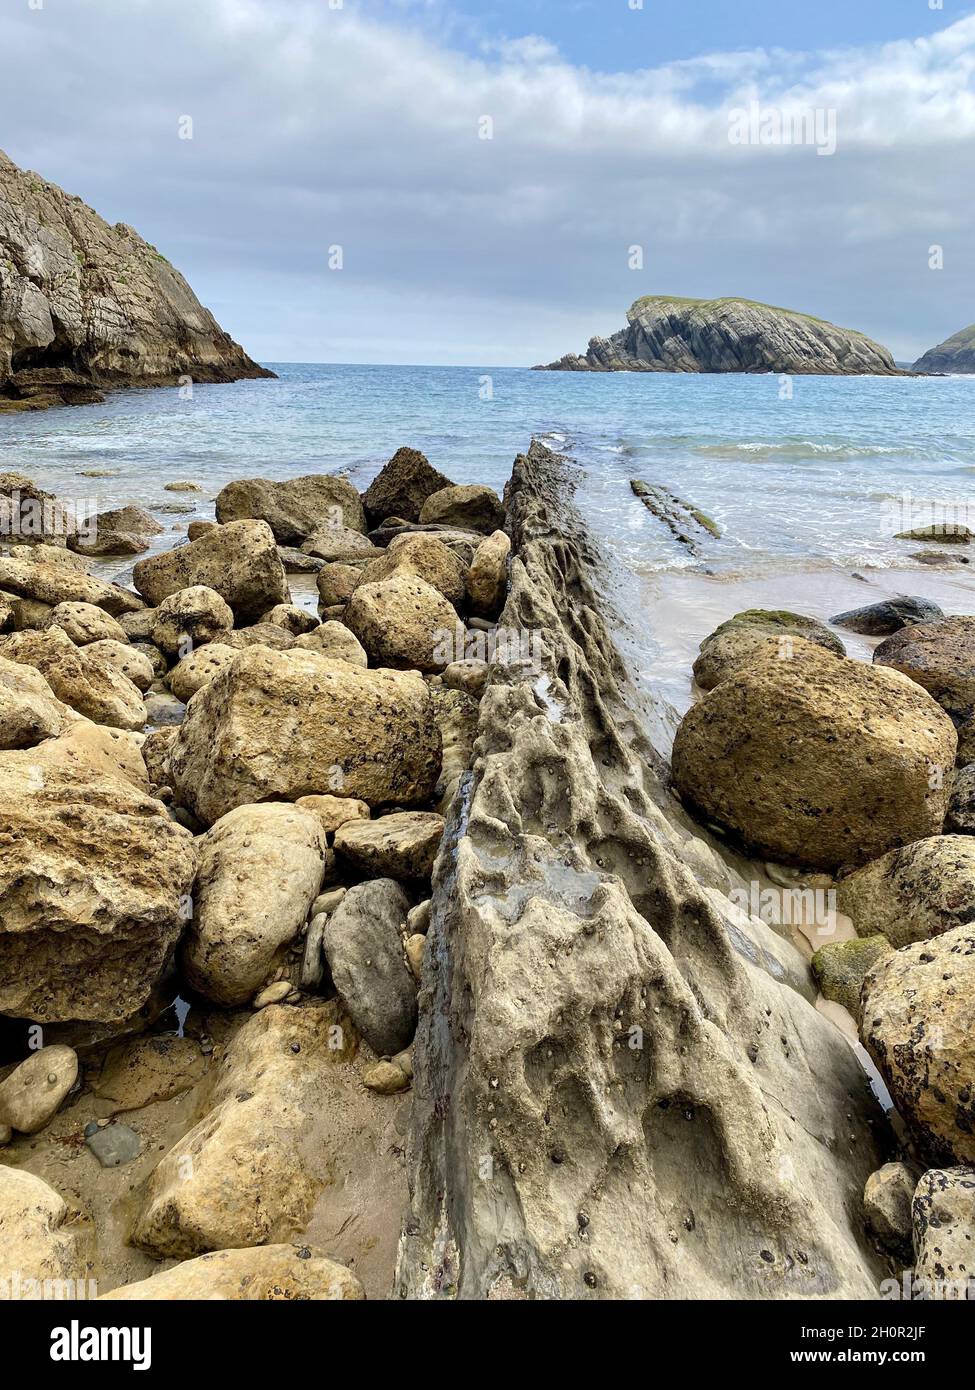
{"points": [[955, 355], [666, 333], [86, 307], [379, 950]]}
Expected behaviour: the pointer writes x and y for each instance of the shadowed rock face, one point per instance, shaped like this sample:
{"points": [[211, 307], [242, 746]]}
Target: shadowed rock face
{"points": [[667, 334], [955, 354], [622, 1088], [84, 305]]}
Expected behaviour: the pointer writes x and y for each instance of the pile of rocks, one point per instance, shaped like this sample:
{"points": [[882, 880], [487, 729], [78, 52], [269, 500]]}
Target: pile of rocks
{"points": [[865, 776], [208, 792]]}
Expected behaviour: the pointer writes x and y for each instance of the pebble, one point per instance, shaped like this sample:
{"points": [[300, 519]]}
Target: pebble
{"points": [[326, 903], [386, 1079], [414, 947], [273, 994], [114, 1145]]}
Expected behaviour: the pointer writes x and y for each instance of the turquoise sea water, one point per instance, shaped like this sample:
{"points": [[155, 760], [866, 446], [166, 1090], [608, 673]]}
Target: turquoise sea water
{"points": [[815, 478]]}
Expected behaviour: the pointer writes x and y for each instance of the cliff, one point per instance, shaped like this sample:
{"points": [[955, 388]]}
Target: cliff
{"points": [[668, 334], [86, 306], [956, 354]]}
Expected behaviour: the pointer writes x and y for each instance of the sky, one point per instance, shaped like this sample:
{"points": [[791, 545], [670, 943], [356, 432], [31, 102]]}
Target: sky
{"points": [[456, 181]]}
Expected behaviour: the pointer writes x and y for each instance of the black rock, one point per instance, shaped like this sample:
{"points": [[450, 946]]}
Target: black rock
{"points": [[881, 619]]}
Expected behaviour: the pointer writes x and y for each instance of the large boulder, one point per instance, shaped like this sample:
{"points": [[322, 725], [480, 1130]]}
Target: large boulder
{"points": [[239, 560], [32, 1093], [487, 581], [261, 1274], [420, 556], [52, 582], [337, 582], [281, 725], [960, 819], [887, 1200], [335, 641], [198, 669], [756, 633], [83, 682], [190, 618], [94, 886], [914, 893], [839, 968], [339, 545], [819, 763], [400, 846], [469, 507], [402, 487], [126, 660], [889, 615], [363, 945], [121, 531], [943, 1214], [84, 623], [919, 1026], [403, 623], [260, 871], [41, 1246], [29, 710], [295, 509], [940, 656], [31, 516]]}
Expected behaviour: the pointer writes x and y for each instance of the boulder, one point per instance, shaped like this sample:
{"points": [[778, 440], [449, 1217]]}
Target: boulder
{"points": [[400, 846], [487, 581], [196, 529], [469, 677], [281, 725], [262, 1274], [943, 1218], [156, 748], [154, 656], [85, 683], [333, 811], [260, 635], [914, 893], [290, 617], [961, 808], [403, 623], [938, 656], [946, 531], [335, 641], [31, 516], [339, 545], [758, 634], [919, 1027], [247, 1174], [199, 668], [126, 660], [819, 763], [239, 560], [54, 582], [470, 507], [888, 616], [419, 556], [138, 626], [33, 1092], [839, 969], [41, 1250], [94, 885], [336, 583], [364, 949], [887, 1200], [29, 710], [121, 531], [402, 487], [190, 618], [261, 868], [295, 509], [84, 623], [25, 613]]}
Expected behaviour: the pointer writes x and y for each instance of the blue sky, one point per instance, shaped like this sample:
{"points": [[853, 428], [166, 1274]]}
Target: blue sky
{"points": [[362, 128]]}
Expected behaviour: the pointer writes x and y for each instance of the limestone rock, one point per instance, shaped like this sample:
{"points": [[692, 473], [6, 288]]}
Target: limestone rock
{"points": [[38, 1242], [364, 951], [147, 1070], [334, 641], [125, 660], [86, 684], [487, 580], [263, 1274], [260, 870], [960, 819], [889, 615], [334, 811], [29, 710], [386, 1079], [840, 968], [420, 556], [469, 507], [190, 618], [282, 725], [414, 946], [402, 487], [887, 1200], [84, 623], [290, 617], [940, 656], [947, 532], [94, 881], [33, 1092], [469, 677], [914, 893], [339, 545], [400, 846], [919, 1027], [403, 623], [199, 668], [817, 763], [294, 510], [239, 560], [260, 635], [122, 531], [51, 583], [336, 583], [944, 1234], [757, 633]]}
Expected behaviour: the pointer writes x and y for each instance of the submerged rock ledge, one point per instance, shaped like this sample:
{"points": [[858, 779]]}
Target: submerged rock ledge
{"points": [[623, 1088]]}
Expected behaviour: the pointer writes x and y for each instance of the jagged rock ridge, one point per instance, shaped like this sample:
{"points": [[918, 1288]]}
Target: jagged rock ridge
{"points": [[623, 1088], [85, 306], [955, 354], [668, 334]]}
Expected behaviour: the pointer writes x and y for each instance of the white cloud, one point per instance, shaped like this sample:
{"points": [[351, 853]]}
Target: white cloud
{"points": [[315, 126]]}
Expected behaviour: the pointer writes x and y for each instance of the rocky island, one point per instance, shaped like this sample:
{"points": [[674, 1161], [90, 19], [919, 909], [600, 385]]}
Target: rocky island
{"points": [[665, 333], [85, 306], [955, 355]]}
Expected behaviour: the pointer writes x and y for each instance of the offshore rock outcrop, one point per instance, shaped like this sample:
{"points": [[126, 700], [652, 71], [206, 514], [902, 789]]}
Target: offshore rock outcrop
{"points": [[955, 355], [85, 306], [622, 1088], [665, 333]]}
